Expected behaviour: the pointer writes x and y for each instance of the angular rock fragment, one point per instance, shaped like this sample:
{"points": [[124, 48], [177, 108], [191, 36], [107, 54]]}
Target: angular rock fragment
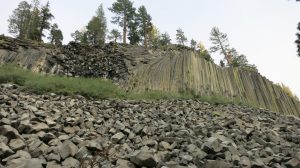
{"points": [[143, 158]]}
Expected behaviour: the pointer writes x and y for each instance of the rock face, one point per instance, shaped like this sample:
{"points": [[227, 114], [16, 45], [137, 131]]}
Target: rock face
{"points": [[186, 71], [132, 134], [71, 60], [138, 70]]}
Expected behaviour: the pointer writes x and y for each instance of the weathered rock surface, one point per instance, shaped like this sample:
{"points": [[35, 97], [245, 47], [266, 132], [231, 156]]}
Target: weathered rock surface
{"points": [[71, 60], [186, 71], [132, 134]]}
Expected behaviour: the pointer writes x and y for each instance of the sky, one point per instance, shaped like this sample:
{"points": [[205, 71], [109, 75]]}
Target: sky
{"points": [[263, 30]]}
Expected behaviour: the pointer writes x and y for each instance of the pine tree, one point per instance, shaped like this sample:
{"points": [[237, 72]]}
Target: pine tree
{"points": [[220, 42], [193, 44], [124, 11], [180, 37], [80, 36], [114, 35], [18, 21], [298, 40], [145, 24], [96, 28], [164, 39], [56, 36], [134, 34], [45, 18], [33, 32]]}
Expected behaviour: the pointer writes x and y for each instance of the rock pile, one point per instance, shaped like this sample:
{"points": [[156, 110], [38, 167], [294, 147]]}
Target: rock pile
{"points": [[80, 60], [71, 60], [56, 131]]}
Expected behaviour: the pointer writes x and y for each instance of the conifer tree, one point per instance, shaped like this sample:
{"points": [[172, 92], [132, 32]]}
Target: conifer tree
{"points": [[164, 39], [45, 18], [145, 24], [33, 32], [96, 28], [114, 35], [29, 21], [134, 33], [124, 11], [80, 36], [19, 20], [193, 44], [298, 40], [180, 37], [56, 36], [220, 43]]}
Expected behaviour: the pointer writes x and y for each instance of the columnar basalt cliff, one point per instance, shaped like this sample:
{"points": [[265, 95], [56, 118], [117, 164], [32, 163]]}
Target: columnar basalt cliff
{"points": [[138, 70], [188, 72]]}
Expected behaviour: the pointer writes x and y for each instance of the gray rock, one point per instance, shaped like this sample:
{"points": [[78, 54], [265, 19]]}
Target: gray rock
{"points": [[3, 139], [293, 163], [258, 163], [40, 127], [53, 165], [25, 163], [10, 132], [217, 164], [53, 157], [48, 137], [71, 163], [212, 145], [245, 162], [117, 137], [50, 122], [94, 146], [19, 154], [143, 158], [33, 147], [164, 145], [67, 149], [124, 164], [5, 151], [297, 155], [82, 153], [16, 144]]}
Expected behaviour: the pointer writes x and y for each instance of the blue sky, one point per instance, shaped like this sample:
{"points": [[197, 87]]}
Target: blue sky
{"points": [[263, 30]]}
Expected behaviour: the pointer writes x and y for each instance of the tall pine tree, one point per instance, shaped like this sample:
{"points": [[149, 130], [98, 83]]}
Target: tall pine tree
{"points": [[220, 43], [145, 24], [180, 37], [56, 36], [298, 40], [19, 20], [29, 21], [124, 11], [45, 18]]}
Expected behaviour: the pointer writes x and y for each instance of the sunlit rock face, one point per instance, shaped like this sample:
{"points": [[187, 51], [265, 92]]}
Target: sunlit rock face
{"points": [[186, 71]]}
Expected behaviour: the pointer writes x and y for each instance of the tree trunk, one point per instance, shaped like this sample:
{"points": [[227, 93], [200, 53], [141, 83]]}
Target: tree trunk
{"points": [[124, 29], [145, 41]]}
